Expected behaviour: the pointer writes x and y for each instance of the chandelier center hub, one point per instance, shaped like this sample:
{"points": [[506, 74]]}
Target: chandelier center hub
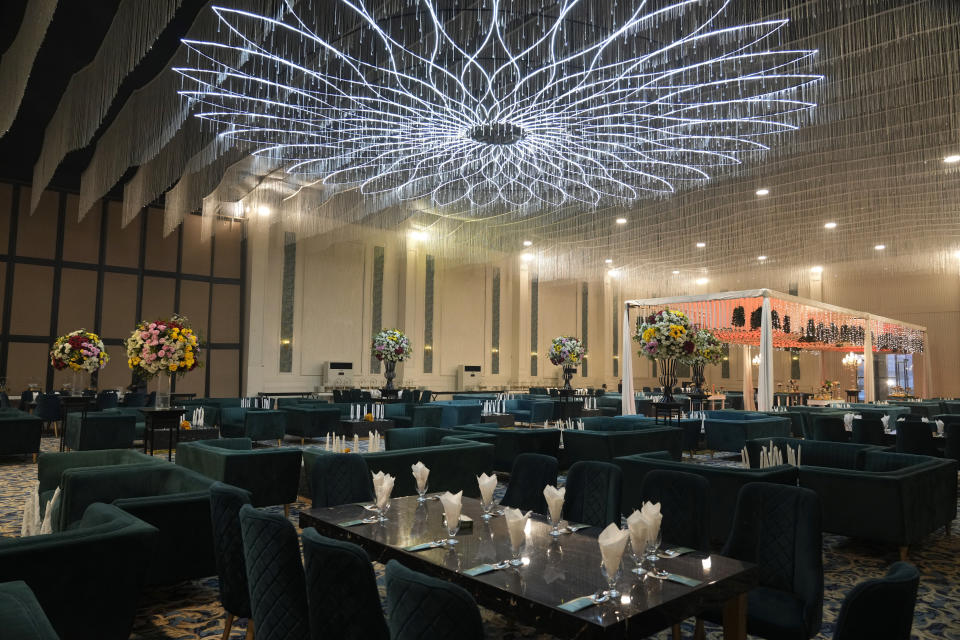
{"points": [[500, 133]]}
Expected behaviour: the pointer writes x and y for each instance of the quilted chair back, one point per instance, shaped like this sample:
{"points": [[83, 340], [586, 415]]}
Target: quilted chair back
{"points": [[684, 504], [341, 590], [225, 503], [423, 608], [777, 527], [868, 431], [593, 493], [880, 608], [531, 472], [340, 478], [278, 590], [915, 437], [829, 428], [48, 407], [106, 400]]}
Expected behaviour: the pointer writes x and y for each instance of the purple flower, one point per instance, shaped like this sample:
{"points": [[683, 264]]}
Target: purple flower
{"points": [[651, 347]]}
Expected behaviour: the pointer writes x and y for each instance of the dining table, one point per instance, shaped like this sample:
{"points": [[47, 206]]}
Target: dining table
{"points": [[558, 587]]}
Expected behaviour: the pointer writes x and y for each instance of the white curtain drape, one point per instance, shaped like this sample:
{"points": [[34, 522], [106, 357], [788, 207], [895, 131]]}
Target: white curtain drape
{"points": [[765, 374], [628, 406], [869, 384], [748, 403]]}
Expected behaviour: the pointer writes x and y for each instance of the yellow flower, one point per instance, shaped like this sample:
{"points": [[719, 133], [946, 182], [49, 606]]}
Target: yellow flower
{"points": [[172, 367], [649, 334], [676, 331]]}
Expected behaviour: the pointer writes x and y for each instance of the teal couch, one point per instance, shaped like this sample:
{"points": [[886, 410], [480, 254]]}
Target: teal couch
{"points": [[256, 424], [19, 433], [270, 475], [99, 430], [21, 616], [454, 465], [730, 430], [397, 439], [605, 446], [458, 412], [529, 410], [311, 421], [509, 442], [413, 415], [88, 578]]}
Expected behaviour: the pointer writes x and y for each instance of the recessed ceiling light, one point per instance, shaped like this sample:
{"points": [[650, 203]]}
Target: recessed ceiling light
{"points": [[830, 225], [880, 247], [614, 273], [608, 261], [816, 269], [675, 272], [763, 192], [952, 159], [621, 221], [528, 243], [264, 211], [701, 245], [702, 280], [526, 257], [418, 234], [761, 258]]}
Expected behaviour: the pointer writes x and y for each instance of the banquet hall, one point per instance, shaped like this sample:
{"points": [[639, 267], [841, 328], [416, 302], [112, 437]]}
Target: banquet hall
{"points": [[422, 319]]}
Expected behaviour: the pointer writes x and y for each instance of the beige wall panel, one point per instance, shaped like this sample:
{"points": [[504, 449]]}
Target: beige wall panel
{"points": [[196, 253], [194, 297], [459, 305], [123, 244], [32, 292], [226, 258], [37, 233], [224, 368], [193, 382], [116, 373], [158, 298], [225, 317], [161, 252], [78, 300], [26, 363], [81, 240], [558, 310], [119, 305], [6, 206]]}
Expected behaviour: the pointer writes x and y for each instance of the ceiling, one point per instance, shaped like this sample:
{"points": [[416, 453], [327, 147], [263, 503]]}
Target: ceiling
{"points": [[869, 157]]}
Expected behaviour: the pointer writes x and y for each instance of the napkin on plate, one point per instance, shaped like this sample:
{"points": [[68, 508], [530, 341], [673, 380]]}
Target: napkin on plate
{"points": [[382, 488], [516, 523], [612, 542], [554, 499], [420, 474], [487, 486], [451, 505], [637, 527]]}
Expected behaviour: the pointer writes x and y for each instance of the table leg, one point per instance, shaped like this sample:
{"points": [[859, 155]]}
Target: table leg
{"points": [[735, 618], [170, 442]]}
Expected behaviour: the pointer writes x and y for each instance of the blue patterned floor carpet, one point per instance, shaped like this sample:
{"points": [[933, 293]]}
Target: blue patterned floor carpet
{"points": [[191, 610]]}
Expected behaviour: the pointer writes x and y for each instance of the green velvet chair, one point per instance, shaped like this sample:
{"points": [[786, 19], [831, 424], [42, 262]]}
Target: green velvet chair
{"points": [[880, 607], [420, 607], [605, 446], [731, 434], [396, 439], [21, 616], [531, 472], [868, 431], [271, 475], [88, 578], [593, 493], [98, 430], [684, 503], [827, 427], [342, 592], [225, 504], [340, 478], [256, 424], [309, 422], [20, 434], [50, 466], [410, 415], [278, 590], [510, 443]]}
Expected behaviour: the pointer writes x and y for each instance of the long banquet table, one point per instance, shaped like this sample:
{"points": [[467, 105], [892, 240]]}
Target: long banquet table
{"points": [[554, 571]]}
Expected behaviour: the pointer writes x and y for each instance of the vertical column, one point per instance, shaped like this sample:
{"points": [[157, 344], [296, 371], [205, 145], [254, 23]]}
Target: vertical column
{"points": [[748, 403], [520, 325], [869, 375]]}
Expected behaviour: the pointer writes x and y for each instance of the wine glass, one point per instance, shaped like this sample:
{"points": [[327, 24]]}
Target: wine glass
{"points": [[452, 529], [422, 493], [611, 580], [487, 507], [653, 548], [636, 554], [555, 523], [515, 560], [382, 511]]}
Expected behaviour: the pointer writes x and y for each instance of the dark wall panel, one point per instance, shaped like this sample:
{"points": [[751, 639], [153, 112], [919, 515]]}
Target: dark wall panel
{"points": [[123, 244], [78, 300], [37, 233], [119, 305], [32, 292], [196, 253], [226, 313], [161, 253], [81, 240], [227, 258], [158, 296]]}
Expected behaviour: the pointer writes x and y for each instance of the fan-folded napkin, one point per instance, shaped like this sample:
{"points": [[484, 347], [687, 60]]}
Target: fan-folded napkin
{"points": [[382, 488], [612, 542], [451, 505], [639, 533], [516, 523], [487, 486], [420, 474]]}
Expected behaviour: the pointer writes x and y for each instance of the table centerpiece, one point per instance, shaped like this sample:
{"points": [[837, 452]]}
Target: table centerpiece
{"points": [[390, 346], [82, 352], [163, 349], [567, 352], [667, 337]]}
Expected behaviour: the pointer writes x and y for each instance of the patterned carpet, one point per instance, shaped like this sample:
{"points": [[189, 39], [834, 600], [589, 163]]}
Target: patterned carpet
{"points": [[191, 610]]}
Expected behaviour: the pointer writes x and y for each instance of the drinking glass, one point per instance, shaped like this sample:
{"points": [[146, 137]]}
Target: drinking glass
{"points": [[555, 531], [452, 529], [653, 548], [422, 493], [637, 556], [515, 560], [487, 507], [611, 580], [382, 511]]}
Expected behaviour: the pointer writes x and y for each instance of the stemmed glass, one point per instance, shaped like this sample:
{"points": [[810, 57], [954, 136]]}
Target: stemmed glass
{"points": [[452, 529], [422, 493], [487, 507], [382, 511], [555, 523], [637, 556], [653, 548], [515, 560], [611, 580]]}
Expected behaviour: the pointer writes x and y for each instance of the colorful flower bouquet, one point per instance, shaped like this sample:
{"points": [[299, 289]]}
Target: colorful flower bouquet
{"points": [[391, 345], [163, 346], [666, 334], [567, 351], [707, 347], [80, 350]]}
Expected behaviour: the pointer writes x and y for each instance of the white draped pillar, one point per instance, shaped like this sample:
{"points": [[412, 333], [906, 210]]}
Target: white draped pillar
{"points": [[628, 406], [748, 403], [869, 385], [765, 373], [927, 389]]}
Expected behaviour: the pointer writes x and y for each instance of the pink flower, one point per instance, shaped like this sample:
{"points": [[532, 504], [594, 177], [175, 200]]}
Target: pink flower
{"points": [[153, 325], [144, 335]]}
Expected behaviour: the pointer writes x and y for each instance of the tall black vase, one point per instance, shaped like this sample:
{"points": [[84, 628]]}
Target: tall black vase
{"points": [[668, 377], [568, 373], [389, 372], [698, 378]]}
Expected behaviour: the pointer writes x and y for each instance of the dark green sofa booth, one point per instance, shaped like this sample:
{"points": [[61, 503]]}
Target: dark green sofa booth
{"points": [[21, 616], [396, 439], [509, 442], [271, 475], [309, 421], [408, 415], [605, 446], [458, 412], [19, 433], [725, 483], [530, 410], [99, 430], [729, 430], [88, 578], [454, 464], [256, 424], [174, 499]]}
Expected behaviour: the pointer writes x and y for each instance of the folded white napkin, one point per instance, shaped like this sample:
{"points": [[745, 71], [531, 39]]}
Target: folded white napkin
{"points": [[451, 505], [612, 542], [848, 420], [939, 427], [382, 488], [420, 474], [47, 525], [487, 486], [639, 537], [554, 499], [886, 421], [31, 513], [516, 523], [650, 512]]}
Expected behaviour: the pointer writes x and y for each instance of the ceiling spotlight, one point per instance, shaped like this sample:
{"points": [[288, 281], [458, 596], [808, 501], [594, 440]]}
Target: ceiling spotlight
{"points": [[830, 225], [614, 273], [675, 272], [264, 211], [526, 257], [621, 221], [761, 258], [763, 192], [702, 280], [608, 261], [816, 269], [952, 159], [528, 243], [418, 234], [880, 247], [701, 245]]}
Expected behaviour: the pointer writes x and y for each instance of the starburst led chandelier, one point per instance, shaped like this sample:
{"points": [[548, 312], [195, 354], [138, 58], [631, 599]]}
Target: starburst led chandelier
{"points": [[507, 105]]}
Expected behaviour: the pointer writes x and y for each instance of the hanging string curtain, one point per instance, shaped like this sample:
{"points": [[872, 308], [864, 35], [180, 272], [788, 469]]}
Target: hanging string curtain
{"points": [[17, 60]]}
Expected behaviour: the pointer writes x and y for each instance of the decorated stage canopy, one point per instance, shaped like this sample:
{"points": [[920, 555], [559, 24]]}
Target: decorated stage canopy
{"points": [[770, 319]]}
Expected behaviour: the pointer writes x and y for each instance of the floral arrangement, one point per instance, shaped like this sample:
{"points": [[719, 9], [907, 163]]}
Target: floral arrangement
{"points": [[567, 351], [666, 334], [793, 385], [708, 348], [163, 346], [81, 350], [391, 345]]}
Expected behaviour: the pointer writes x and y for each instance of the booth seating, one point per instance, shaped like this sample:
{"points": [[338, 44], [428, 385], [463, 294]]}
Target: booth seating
{"points": [[19, 433], [458, 412], [256, 424], [606, 446], [21, 616], [309, 422], [99, 430], [413, 415], [510, 443], [529, 410], [730, 430]]}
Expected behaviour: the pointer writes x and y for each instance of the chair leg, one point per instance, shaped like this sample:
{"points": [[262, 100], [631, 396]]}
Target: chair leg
{"points": [[286, 511], [249, 629], [35, 462], [227, 625], [301, 442], [903, 554], [698, 632], [676, 632]]}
